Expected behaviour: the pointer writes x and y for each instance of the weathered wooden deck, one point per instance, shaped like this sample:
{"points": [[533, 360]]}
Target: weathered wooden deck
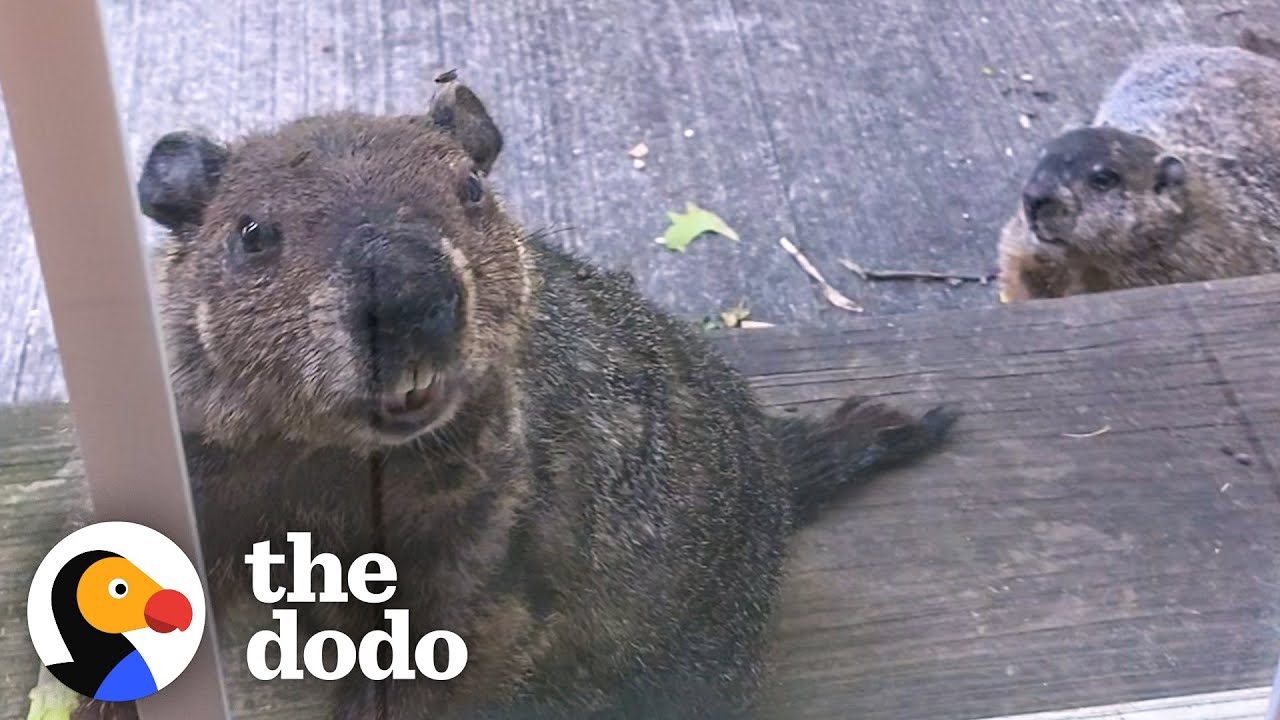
{"points": [[1102, 528], [886, 131]]}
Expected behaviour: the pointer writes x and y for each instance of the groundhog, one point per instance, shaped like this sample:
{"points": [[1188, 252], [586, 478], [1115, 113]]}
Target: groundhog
{"points": [[366, 345], [1176, 180]]}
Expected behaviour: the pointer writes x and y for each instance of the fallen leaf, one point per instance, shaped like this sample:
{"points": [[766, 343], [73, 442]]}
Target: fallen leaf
{"points": [[694, 221], [50, 700]]}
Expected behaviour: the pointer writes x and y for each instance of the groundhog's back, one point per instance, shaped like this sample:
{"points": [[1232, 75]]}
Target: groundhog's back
{"points": [[658, 447], [1222, 99]]}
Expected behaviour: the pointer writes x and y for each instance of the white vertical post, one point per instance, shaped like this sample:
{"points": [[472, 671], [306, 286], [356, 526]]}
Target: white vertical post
{"points": [[1273, 707], [80, 195]]}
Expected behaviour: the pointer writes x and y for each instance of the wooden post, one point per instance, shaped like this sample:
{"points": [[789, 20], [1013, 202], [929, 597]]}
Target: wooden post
{"points": [[81, 199], [1273, 707]]}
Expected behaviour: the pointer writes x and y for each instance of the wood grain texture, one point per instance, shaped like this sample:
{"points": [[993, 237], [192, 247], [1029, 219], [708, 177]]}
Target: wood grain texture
{"points": [[1101, 528], [860, 129], [1092, 533], [41, 490]]}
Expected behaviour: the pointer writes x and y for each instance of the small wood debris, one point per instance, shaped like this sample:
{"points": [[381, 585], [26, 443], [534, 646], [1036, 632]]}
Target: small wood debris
{"points": [[831, 295], [1241, 457], [637, 164], [1027, 77], [754, 325], [640, 151], [1024, 120], [1085, 436], [688, 132], [734, 316]]}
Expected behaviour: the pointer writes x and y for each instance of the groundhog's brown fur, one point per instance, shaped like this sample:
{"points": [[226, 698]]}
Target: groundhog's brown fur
{"points": [[366, 346], [1177, 180]]}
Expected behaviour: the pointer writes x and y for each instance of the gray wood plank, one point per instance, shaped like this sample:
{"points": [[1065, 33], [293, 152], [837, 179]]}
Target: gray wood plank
{"points": [[1030, 568], [1084, 539], [42, 492], [1248, 704]]}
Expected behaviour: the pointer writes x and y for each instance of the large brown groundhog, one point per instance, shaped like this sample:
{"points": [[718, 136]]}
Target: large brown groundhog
{"points": [[366, 346], [1176, 180]]}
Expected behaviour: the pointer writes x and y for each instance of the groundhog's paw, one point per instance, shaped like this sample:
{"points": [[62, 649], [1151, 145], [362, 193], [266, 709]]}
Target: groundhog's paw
{"points": [[891, 425], [929, 430]]}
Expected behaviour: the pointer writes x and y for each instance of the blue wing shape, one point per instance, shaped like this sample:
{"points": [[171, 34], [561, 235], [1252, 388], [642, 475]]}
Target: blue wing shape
{"points": [[130, 679]]}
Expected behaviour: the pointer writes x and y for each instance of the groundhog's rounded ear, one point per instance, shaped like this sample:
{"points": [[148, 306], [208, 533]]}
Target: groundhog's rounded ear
{"points": [[456, 109], [179, 178], [1171, 173]]}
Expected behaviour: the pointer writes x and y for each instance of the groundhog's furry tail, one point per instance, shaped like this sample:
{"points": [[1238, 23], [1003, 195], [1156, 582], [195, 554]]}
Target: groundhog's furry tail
{"points": [[860, 437]]}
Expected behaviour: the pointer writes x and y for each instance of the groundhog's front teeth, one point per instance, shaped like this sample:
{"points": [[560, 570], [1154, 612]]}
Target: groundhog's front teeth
{"points": [[418, 399], [412, 393]]}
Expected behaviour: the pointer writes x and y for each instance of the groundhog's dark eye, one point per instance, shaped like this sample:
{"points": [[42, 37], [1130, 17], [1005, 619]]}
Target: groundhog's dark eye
{"points": [[1104, 179], [473, 191], [256, 237]]}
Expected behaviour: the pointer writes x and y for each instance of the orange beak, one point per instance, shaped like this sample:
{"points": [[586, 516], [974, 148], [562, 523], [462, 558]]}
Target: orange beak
{"points": [[168, 610]]}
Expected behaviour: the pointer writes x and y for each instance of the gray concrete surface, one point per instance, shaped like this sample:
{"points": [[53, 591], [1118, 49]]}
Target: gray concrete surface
{"points": [[886, 131]]}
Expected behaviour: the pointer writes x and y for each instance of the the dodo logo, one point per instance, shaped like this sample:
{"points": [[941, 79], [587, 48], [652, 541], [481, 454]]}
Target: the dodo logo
{"points": [[116, 611]]}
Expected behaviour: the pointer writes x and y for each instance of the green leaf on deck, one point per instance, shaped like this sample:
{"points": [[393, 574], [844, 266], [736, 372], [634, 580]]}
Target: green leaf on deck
{"points": [[694, 221], [52, 701]]}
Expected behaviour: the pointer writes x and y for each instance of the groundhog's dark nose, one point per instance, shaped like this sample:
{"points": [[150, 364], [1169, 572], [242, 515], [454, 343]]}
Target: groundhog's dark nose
{"points": [[1047, 210], [1036, 197], [413, 312], [415, 325]]}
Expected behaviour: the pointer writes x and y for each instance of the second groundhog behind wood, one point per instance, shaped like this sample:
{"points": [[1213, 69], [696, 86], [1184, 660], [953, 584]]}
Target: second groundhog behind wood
{"points": [[367, 346], [1176, 180]]}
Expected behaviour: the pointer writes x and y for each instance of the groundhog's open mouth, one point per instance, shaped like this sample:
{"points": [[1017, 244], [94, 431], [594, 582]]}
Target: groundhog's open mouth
{"points": [[403, 415]]}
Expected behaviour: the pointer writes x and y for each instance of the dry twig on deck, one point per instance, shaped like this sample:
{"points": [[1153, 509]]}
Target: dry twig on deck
{"points": [[1085, 436], [833, 296], [952, 278]]}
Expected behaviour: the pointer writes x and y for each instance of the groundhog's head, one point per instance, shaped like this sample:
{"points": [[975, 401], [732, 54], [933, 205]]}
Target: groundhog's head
{"points": [[346, 279], [1103, 192]]}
